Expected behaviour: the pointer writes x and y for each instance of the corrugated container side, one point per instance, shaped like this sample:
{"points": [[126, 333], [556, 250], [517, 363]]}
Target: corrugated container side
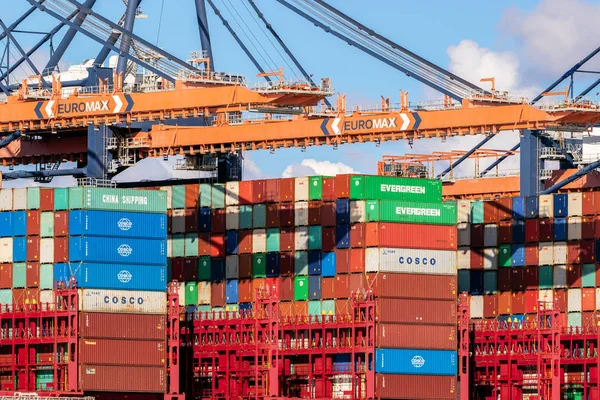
{"points": [[122, 378], [416, 387], [118, 224], [411, 261], [464, 234], [416, 311], [476, 306], [113, 276], [417, 213], [118, 250], [574, 300], [117, 199], [122, 326], [121, 301], [301, 189], [546, 204], [232, 193], [575, 204], [434, 237], [19, 199], [416, 362], [6, 199], [463, 258], [463, 208]]}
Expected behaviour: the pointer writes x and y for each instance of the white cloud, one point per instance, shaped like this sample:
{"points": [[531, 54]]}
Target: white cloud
{"points": [[311, 166], [250, 169]]}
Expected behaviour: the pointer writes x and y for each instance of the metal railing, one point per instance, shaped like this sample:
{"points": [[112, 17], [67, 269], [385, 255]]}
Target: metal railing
{"points": [[213, 77], [94, 182]]}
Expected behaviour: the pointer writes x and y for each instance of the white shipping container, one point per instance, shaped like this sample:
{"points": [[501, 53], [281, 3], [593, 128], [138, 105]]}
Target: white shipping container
{"points": [[47, 297], [464, 234], [412, 261], [301, 238], [232, 218], [546, 295], [232, 267], [259, 241], [181, 291], [463, 208], [6, 250], [358, 211], [574, 300], [178, 221], [575, 205], [560, 253], [559, 276], [169, 190], [47, 251], [169, 246], [301, 189], [490, 258], [463, 258], [574, 228], [301, 213], [490, 235], [6, 199], [204, 293], [123, 301], [232, 193], [546, 205], [19, 199], [476, 306], [546, 252]]}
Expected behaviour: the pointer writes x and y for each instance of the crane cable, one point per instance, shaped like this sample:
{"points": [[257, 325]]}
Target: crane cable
{"points": [[162, 8]]}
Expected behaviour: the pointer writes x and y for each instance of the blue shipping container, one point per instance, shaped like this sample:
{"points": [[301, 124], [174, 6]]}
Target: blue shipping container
{"points": [[560, 229], [518, 255], [217, 270], [231, 291], [328, 264], [532, 207], [476, 283], [19, 223], [561, 205], [314, 287], [231, 242], [518, 207], [6, 228], [314, 263], [117, 224], [518, 231], [273, 265], [118, 250], [113, 276], [19, 249], [464, 280], [342, 236], [342, 211], [416, 362], [204, 220]]}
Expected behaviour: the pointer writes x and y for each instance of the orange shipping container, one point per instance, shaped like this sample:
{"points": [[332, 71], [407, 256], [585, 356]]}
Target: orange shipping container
{"points": [[518, 303], [246, 192], [245, 291], [415, 387], [413, 286], [588, 299], [192, 195], [287, 189], [300, 308], [122, 352], [504, 206], [490, 306], [122, 378], [411, 311], [490, 212], [410, 336], [411, 236], [357, 260], [328, 288], [286, 309], [531, 301], [122, 326], [504, 303]]}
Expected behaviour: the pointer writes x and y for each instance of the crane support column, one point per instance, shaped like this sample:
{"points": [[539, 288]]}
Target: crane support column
{"points": [[103, 54], [97, 156], [530, 163], [126, 39], [204, 32]]}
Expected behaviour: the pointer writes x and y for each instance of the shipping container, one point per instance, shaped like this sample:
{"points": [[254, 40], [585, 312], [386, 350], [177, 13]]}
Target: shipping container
{"points": [[392, 188], [561, 201], [122, 378], [416, 311], [154, 201], [118, 224], [118, 250], [411, 261], [120, 301], [413, 286], [434, 237], [416, 362], [398, 387], [416, 213], [113, 276], [575, 205], [122, 326]]}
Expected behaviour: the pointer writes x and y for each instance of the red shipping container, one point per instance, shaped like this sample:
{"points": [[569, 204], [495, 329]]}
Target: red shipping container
{"points": [[532, 256], [596, 202], [190, 269], [413, 286], [328, 214], [416, 311], [33, 248], [245, 242], [342, 186], [409, 336], [287, 288], [191, 220], [192, 195], [357, 283], [300, 309], [287, 239], [410, 236], [342, 261], [329, 189], [245, 267], [573, 253], [258, 284], [531, 301], [177, 269], [245, 290], [357, 235], [504, 275], [342, 287], [504, 303], [33, 222], [588, 299], [6, 276], [46, 199], [588, 227], [273, 216], [328, 288], [416, 387], [490, 306], [286, 309], [259, 191], [273, 286], [61, 250], [546, 230], [32, 274], [505, 232], [204, 244], [286, 263], [287, 214], [597, 227], [587, 251], [122, 326], [504, 206], [476, 259], [246, 192], [61, 223], [122, 379], [273, 193], [26, 297], [477, 236], [518, 303], [218, 221], [587, 203], [589, 319], [357, 260], [217, 294], [574, 276], [561, 300], [328, 239], [531, 278], [532, 230], [217, 245], [517, 279], [314, 213], [490, 212], [287, 187]]}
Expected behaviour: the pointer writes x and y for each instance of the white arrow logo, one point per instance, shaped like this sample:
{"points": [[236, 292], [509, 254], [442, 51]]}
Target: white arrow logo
{"points": [[335, 127], [119, 104], [48, 109], [405, 122]]}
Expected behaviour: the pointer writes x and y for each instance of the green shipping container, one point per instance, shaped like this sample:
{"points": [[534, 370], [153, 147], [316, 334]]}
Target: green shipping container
{"points": [[315, 237], [44, 379], [33, 198], [545, 277], [504, 255], [315, 190], [61, 199], [259, 216], [417, 213], [178, 197], [218, 195], [19, 275], [191, 245], [205, 195], [86, 198], [191, 293], [47, 224], [477, 212], [178, 245], [204, 268], [574, 319], [259, 265], [273, 240], [328, 307], [490, 282], [314, 309], [464, 281], [301, 263], [373, 187], [372, 208], [46, 276], [246, 217], [588, 275], [575, 394], [301, 288]]}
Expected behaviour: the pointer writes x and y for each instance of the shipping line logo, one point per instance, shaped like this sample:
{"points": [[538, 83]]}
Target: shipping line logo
{"points": [[124, 250], [124, 276], [417, 361], [417, 260], [53, 109], [124, 224], [123, 300]]}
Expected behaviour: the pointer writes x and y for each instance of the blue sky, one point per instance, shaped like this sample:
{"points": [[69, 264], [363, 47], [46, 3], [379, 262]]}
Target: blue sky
{"points": [[512, 40]]}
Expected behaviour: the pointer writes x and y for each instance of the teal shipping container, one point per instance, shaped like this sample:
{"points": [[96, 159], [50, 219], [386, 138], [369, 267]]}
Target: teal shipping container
{"points": [[191, 245], [178, 246], [315, 237], [301, 263], [588, 275], [490, 282], [47, 224], [477, 212], [259, 216], [328, 307], [61, 199], [205, 195], [273, 240], [204, 265], [33, 198], [87, 198], [46, 276], [19, 275], [246, 217], [218, 196], [464, 280], [545, 277], [314, 309], [178, 197], [574, 319]]}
